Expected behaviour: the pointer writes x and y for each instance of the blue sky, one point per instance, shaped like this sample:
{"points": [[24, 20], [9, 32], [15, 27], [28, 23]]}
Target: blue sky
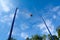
{"points": [[26, 26]]}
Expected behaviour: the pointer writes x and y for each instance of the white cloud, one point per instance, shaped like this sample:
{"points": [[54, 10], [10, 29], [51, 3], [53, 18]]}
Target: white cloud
{"points": [[5, 5], [44, 29], [56, 8], [24, 35], [6, 19], [11, 16], [58, 12], [24, 26], [54, 16], [15, 32], [5, 8], [25, 14], [52, 11]]}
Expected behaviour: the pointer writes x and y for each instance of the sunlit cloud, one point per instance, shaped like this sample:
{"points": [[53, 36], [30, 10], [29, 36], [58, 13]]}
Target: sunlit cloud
{"points": [[58, 12], [24, 35], [6, 5], [26, 14], [6, 19], [24, 26], [54, 16], [15, 32], [56, 8], [44, 29]]}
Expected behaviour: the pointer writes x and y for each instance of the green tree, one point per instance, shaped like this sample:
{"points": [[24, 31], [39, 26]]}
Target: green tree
{"points": [[13, 39], [58, 31], [44, 37], [27, 38], [36, 37], [54, 37]]}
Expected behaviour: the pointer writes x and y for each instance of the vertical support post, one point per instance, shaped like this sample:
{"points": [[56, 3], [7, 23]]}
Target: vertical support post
{"points": [[47, 27], [9, 38]]}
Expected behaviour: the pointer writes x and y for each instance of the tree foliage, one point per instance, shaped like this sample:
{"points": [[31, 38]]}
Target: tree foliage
{"points": [[27, 38], [44, 37], [35, 37], [54, 37], [13, 39], [58, 31]]}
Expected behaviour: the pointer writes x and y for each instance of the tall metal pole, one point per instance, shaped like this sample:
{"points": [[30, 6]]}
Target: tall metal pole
{"points": [[47, 27], [9, 38]]}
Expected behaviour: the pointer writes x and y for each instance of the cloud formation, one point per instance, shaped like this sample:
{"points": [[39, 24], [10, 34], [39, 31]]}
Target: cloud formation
{"points": [[24, 26], [24, 35], [54, 16], [44, 29], [5, 5], [7, 19]]}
